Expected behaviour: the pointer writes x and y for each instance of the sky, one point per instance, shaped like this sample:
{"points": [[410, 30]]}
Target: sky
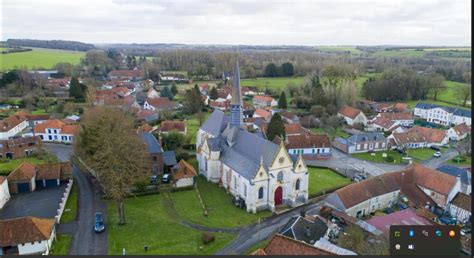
{"points": [[258, 22]]}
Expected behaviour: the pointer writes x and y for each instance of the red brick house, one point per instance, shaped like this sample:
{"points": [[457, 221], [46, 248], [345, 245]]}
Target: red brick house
{"points": [[168, 126], [19, 147]]}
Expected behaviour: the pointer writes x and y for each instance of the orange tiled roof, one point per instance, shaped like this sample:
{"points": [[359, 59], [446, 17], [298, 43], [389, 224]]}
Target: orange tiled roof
{"points": [[348, 111], [431, 134], [24, 172], [282, 245], [168, 125], [294, 129], [461, 129], [185, 170], [25, 230], [263, 98], [262, 113]]}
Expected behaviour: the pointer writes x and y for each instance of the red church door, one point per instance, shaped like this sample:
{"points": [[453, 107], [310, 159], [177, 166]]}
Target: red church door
{"points": [[278, 196]]}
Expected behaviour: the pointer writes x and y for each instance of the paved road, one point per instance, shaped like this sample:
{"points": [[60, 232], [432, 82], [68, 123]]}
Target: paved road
{"points": [[437, 162], [85, 240], [256, 233], [41, 203]]}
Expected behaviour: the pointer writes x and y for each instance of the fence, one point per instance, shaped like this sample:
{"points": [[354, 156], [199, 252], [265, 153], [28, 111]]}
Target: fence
{"points": [[62, 204]]}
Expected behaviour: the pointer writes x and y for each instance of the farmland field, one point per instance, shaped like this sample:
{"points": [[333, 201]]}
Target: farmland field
{"points": [[278, 83], [353, 50], [39, 58]]}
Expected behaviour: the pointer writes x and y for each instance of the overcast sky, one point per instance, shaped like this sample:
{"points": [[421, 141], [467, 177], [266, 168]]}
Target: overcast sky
{"points": [[258, 22]]}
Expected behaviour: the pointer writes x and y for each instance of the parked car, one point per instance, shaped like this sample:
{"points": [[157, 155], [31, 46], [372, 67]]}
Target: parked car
{"points": [[165, 179], [357, 178], [99, 225], [437, 154], [153, 179], [436, 148]]}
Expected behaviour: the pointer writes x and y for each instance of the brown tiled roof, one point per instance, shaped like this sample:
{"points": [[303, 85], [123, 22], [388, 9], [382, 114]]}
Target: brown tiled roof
{"points": [[145, 128], [161, 103], [308, 140], [223, 93], [294, 129], [396, 116], [287, 114], [383, 122], [431, 134], [423, 212], [400, 106], [433, 179], [2, 179], [262, 113], [135, 73], [52, 123], [462, 201], [348, 111], [12, 142], [48, 171], [185, 170], [461, 129], [12, 121], [282, 245], [167, 126], [409, 137], [70, 129], [25, 230], [38, 117], [142, 114], [263, 98], [222, 104], [24, 172]]}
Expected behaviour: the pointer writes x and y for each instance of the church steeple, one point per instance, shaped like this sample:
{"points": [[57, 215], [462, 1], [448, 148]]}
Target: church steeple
{"points": [[236, 106]]}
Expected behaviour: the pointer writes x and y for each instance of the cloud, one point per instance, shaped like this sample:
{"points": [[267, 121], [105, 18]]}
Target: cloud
{"points": [[345, 22]]}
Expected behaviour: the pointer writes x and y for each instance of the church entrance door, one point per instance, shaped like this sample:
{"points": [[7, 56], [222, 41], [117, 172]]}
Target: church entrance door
{"points": [[278, 196]]}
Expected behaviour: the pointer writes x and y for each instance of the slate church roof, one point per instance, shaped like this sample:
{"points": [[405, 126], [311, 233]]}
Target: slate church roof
{"points": [[302, 229]]}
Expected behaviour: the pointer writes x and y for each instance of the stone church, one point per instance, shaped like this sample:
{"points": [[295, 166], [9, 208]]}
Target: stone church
{"points": [[254, 170]]}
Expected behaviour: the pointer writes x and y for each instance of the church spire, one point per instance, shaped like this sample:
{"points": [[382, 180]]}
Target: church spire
{"points": [[236, 106]]}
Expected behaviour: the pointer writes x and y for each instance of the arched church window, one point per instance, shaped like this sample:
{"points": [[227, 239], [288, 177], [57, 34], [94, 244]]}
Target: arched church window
{"points": [[297, 186], [280, 176], [260, 193]]}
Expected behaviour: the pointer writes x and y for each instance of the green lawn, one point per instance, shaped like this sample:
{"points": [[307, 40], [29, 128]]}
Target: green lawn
{"points": [[256, 246], [421, 154], [219, 207], [412, 103], [417, 154], [322, 179], [450, 95], [467, 161], [400, 53], [39, 58], [277, 83], [339, 49], [61, 245], [7, 165], [148, 223], [338, 133], [193, 126], [70, 211]]}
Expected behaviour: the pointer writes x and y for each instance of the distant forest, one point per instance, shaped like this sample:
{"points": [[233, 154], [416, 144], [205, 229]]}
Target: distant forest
{"points": [[54, 44]]}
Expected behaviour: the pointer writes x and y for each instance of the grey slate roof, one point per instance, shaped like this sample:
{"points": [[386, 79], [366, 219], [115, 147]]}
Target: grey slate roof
{"points": [[334, 200], [362, 137], [244, 156], [297, 226], [216, 123], [169, 158], [454, 111], [462, 112], [455, 171], [153, 146]]}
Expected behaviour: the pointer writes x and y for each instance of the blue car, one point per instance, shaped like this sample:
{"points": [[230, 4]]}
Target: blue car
{"points": [[99, 223]]}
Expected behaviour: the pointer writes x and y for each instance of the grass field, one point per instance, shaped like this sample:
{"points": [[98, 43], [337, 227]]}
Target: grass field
{"points": [[39, 58], [149, 223], [338, 133], [322, 179], [449, 94], [70, 211], [219, 207], [277, 83], [400, 53], [61, 245], [417, 154], [338, 49], [466, 162], [193, 126], [7, 165]]}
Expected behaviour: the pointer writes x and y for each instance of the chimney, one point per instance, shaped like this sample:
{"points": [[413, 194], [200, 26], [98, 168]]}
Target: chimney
{"points": [[307, 232]]}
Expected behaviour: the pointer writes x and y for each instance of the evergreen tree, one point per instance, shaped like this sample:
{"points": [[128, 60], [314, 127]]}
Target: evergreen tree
{"points": [[166, 92], [287, 69], [282, 100], [75, 89], [271, 70], [275, 127], [214, 94], [174, 89]]}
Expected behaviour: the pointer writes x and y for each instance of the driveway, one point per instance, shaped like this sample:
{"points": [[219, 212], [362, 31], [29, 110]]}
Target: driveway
{"points": [[41, 203], [437, 162], [85, 240]]}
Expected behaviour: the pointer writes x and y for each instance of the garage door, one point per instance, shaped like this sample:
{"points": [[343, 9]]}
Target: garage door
{"points": [[23, 187], [51, 182], [39, 184]]}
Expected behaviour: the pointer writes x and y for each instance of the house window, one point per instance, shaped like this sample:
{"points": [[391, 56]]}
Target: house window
{"points": [[41, 137], [297, 186], [260, 193], [50, 137], [49, 130], [280, 176]]}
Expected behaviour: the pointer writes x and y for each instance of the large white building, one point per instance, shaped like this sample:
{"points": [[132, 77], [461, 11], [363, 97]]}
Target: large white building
{"points": [[13, 125], [442, 115], [55, 130], [255, 171]]}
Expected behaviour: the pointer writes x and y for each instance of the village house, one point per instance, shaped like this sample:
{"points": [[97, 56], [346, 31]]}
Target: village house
{"points": [[352, 115], [22, 178], [169, 126], [249, 91], [172, 77], [304, 229], [169, 161], [149, 116], [256, 172], [263, 114], [119, 97], [159, 104], [4, 191], [283, 245], [404, 217], [155, 151], [27, 236], [19, 147], [402, 119], [363, 142], [442, 115], [152, 94], [132, 75], [462, 173], [460, 207], [13, 125], [264, 101], [220, 104], [37, 119], [459, 132], [308, 145], [380, 124], [422, 186], [55, 130], [184, 176], [27, 177], [386, 107], [289, 117], [407, 140]]}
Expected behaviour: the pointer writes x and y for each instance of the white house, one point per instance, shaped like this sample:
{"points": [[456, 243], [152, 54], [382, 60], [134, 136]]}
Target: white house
{"points": [[152, 94], [352, 115], [13, 125], [185, 175], [55, 130], [398, 118], [442, 115], [27, 236], [460, 207], [264, 101], [459, 132], [259, 174], [4, 192]]}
